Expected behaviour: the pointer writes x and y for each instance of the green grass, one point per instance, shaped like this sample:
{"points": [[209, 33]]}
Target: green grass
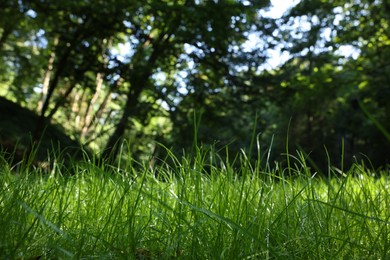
{"points": [[241, 212]]}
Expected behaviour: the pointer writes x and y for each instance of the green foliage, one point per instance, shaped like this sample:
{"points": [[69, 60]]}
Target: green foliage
{"points": [[138, 71], [321, 87]]}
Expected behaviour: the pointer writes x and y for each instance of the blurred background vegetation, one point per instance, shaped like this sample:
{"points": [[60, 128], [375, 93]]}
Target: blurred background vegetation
{"points": [[156, 71]]}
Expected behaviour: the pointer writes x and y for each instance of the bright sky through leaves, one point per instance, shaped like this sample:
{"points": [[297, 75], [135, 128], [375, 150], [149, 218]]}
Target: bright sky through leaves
{"points": [[276, 56], [278, 7]]}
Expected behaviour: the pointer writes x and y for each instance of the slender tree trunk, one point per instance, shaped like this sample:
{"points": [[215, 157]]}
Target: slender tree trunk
{"points": [[102, 107], [111, 149], [90, 114], [42, 120], [76, 108], [61, 101], [54, 83], [47, 76], [103, 130], [138, 82], [98, 114], [89, 111]]}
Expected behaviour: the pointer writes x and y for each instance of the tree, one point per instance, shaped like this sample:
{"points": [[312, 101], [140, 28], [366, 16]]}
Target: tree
{"points": [[119, 70], [77, 62], [327, 86], [190, 33]]}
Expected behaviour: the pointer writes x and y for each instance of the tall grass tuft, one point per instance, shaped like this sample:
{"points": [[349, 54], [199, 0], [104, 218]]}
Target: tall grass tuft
{"points": [[199, 207]]}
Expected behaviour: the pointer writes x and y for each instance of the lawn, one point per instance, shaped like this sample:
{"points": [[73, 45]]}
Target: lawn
{"points": [[180, 210]]}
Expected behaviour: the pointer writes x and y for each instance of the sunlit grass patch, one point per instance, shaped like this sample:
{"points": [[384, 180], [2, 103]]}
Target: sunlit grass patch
{"points": [[185, 212]]}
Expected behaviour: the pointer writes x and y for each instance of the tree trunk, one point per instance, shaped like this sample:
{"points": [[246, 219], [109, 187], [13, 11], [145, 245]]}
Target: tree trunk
{"points": [[138, 81], [90, 114], [47, 76], [61, 100], [76, 104], [137, 85], [43, 121]]}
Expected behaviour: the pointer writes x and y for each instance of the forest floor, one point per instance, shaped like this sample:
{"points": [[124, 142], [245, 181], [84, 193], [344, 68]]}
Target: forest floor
{"points": [[178, 211]]}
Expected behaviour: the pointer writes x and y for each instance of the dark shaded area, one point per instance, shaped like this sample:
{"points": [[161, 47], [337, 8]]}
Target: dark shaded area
{"points": [[16, 127]]}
